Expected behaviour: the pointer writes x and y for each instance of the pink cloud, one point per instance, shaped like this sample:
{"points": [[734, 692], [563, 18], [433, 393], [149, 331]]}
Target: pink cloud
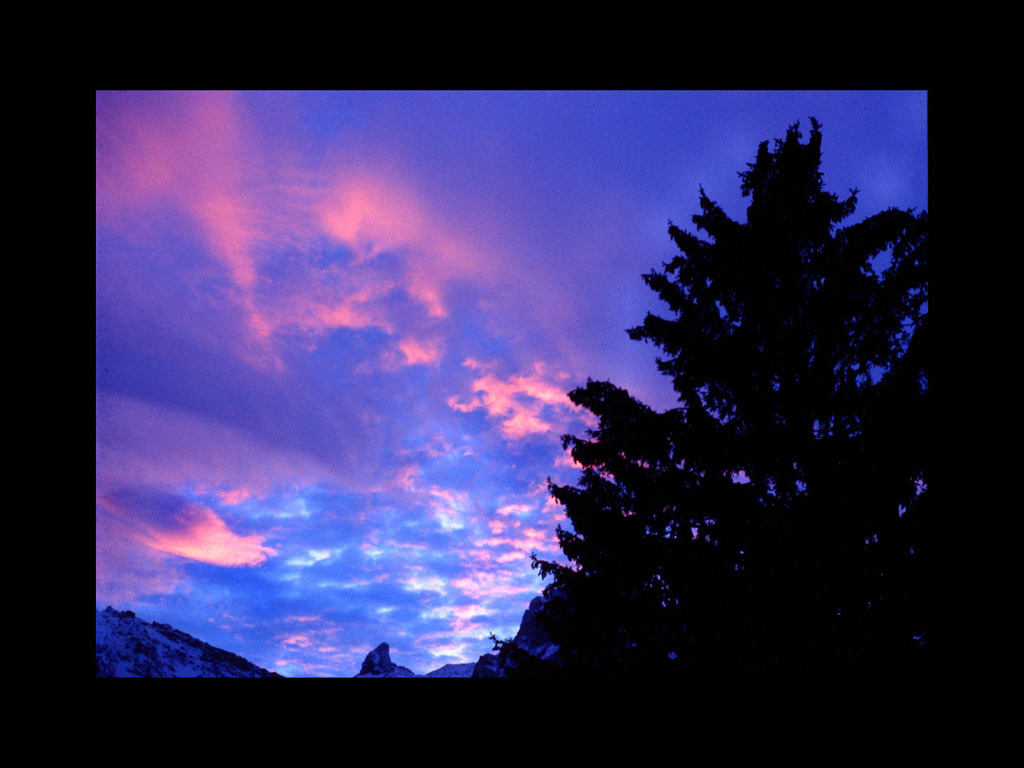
{"points": [[420, 351], [450, 508], [125, 571], [187, 154], [234, 496], [467, 612], [372, 213], [406, 352], [514, 509], [138, 554], [207, 538], [315, 301], [525, 540], [525, 404], [419, 582], [195, 532], [482, 585], [377, 211], [253, 204], [465, 624]]}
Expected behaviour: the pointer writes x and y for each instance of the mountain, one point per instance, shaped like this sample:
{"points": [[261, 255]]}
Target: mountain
{"points": [[127, 646], [378, 663], [530, 638]]}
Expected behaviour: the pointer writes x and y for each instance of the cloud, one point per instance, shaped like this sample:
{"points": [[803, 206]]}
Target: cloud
{"points": [[407, 352], [376, 211], [199, 534], [234, 496], [126, 571], [484, 585], [525, 404], [420, 351], [187, 153], [514, 509], [298, 250], [310, 557], [150, 445], [372, 214], [137, 531], [419, 582]]}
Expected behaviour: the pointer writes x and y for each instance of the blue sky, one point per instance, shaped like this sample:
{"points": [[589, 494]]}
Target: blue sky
{"points": [[335, 332]]}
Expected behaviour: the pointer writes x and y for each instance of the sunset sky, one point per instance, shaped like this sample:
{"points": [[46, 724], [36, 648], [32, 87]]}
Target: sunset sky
{"points": [[335, 332]]}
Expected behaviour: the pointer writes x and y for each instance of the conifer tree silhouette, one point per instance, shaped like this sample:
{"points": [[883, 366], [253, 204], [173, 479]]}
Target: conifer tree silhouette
{"points": [[773, 522]]}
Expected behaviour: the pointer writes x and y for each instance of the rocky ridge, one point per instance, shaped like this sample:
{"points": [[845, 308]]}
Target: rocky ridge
{"points": [[127, 646]]}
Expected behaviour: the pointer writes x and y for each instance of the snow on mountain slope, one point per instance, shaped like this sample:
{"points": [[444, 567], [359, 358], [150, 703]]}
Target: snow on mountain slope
{"points": [[454, 670], [130, 647]]}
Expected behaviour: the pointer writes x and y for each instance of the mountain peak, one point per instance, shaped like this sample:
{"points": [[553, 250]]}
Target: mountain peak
{"points": [[378, 663]]}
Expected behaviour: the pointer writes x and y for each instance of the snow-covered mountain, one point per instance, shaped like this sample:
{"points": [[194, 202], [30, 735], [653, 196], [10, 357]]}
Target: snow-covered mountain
{"points": [[127, 646]]}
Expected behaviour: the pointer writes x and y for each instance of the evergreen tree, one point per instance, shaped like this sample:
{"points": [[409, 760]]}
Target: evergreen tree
{"points": [[772, 522]]}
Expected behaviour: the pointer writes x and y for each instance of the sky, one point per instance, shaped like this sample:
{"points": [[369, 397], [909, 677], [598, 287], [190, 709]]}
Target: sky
{"points": [[335, 333]]}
